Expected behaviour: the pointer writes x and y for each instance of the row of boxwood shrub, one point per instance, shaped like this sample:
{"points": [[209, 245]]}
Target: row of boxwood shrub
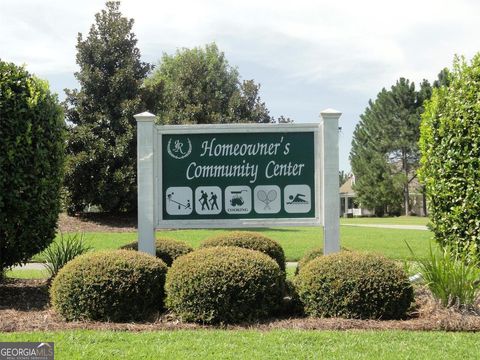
{"points": [[227, 281], [218, 283]]}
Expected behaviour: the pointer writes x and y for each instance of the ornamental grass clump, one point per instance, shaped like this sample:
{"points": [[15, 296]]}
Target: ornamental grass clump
{"points": [[224, 285], [249, 240], [120, 285], [166, 249], [452, 275], [354, 285], [65, 249]]}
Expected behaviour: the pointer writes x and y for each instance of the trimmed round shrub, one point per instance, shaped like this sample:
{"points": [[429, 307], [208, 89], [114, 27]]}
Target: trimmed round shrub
{"points": [[310, 255], [249, 240], [31, 164], [118, 285], [354, 285], [165, 248], [224, 285]]}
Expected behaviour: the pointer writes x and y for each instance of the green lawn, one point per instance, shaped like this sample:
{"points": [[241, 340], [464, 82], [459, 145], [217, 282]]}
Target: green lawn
{"points": [[252, 344], [399, 220], [294, 240], [27, 274]]}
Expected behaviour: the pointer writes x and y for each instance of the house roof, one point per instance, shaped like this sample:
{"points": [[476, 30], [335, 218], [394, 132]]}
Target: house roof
{"points": [[346, 188]]}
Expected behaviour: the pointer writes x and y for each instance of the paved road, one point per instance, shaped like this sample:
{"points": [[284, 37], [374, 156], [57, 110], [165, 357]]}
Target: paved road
{"points": [[385, 226], [30, 266]]}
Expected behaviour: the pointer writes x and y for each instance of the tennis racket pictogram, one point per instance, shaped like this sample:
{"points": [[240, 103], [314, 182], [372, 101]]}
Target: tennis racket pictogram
{"points": [[267, 197]]}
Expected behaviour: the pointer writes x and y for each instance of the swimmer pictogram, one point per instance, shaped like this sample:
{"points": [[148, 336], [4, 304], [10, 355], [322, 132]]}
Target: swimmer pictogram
{"points": [[297, 199]]}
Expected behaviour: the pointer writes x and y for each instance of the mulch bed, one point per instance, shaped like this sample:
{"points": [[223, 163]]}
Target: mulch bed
{"points": [[97, 222], [24, 306]]}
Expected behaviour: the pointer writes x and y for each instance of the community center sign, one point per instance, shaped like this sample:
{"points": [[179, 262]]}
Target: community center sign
{"points": [[235, 175]]}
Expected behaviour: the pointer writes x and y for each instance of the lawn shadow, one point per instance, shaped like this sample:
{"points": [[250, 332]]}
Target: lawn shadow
{"points": [[263, 229], [120, 221]]}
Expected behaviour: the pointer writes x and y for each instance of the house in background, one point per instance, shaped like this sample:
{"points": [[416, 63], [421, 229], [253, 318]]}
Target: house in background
{"points": [[349, 207]]}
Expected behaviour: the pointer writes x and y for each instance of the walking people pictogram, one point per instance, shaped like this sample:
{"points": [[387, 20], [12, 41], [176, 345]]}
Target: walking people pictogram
{"points": [[204, 200], [208, 200], [213, 201]]}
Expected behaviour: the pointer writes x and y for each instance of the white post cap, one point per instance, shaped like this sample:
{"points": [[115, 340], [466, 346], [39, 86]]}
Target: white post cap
{"points": [[330, 114], [145, 116]]}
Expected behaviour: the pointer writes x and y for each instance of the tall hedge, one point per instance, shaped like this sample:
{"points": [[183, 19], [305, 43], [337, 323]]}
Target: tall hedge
{"points": [[450, 146], [31, 163]]}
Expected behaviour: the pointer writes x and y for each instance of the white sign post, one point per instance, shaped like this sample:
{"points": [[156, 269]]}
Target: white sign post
{"points": [[146, 135], [238, 175], [330, 198]]}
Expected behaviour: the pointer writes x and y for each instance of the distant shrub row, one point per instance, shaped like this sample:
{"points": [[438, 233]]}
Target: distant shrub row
{"points": [[232, 278]]}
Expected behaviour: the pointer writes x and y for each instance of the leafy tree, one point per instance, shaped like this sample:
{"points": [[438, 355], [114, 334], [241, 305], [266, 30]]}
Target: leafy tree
{"points": [[31, 164], [384, 154], [101, 163], [198, 86], [450, 163]]}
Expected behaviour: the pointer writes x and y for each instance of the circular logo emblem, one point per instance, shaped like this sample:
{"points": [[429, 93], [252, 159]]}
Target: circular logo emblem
{"points": [[179, 149]]}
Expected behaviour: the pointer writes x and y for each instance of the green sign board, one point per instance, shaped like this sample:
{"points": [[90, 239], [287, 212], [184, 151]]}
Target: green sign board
{"points": [[268, 174]]}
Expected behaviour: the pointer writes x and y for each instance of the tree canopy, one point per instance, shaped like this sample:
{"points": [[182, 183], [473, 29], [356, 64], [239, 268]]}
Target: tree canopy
{"points": [[193, 86], [199, 86]]}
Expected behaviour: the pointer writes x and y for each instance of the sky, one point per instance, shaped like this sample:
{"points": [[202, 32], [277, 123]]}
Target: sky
{"points": [[307, 55]]}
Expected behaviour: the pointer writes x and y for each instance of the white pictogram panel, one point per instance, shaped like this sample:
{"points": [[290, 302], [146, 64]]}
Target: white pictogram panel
{"points": [[208, 200], [238, 200], [178, 200], [297, 199], [266, 199]]}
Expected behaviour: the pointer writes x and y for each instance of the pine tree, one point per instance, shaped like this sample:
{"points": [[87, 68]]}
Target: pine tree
{"points": [[101, 149], [384, 154]]}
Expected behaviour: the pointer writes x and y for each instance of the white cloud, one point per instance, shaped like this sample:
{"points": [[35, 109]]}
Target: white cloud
{"points": [[310, 40], [301, 51]]}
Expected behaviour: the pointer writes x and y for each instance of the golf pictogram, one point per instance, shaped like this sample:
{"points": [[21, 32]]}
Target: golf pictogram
{"points": [[179, 200], [180, 205]]}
